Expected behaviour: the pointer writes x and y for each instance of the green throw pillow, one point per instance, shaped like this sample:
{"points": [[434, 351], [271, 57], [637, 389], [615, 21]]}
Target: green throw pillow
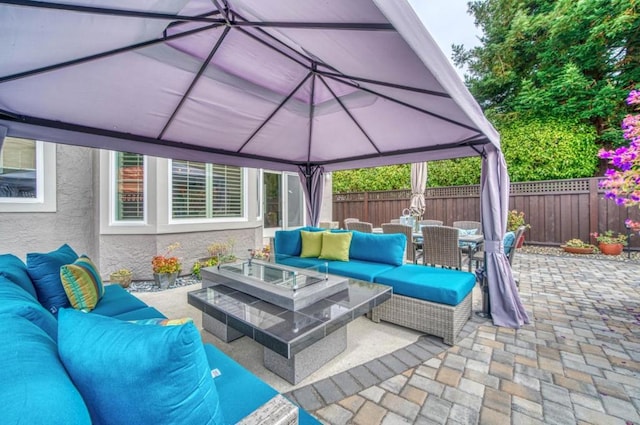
{"points": [[311, 244], [335, 246], [82, 283]]}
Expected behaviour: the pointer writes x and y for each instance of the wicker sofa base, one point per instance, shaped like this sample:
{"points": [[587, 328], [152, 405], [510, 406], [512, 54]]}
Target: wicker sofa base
{"points": [[441, 320]]}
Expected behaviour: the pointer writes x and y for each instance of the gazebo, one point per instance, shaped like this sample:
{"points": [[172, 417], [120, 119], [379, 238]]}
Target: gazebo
{"points": [[292, 85]]}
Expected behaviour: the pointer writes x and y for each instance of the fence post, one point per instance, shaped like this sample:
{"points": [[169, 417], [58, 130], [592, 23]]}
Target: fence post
{"points": [[593, 205], [366, 206]]}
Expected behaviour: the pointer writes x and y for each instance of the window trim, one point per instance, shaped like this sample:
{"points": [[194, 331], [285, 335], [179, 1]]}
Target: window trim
{"points": [[113, 193], [45, 200]]}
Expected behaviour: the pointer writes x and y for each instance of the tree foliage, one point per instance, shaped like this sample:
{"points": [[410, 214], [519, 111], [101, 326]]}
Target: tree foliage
{"points": [[555, 58]]}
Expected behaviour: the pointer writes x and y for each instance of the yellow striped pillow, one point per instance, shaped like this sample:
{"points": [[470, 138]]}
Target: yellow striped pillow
{"points": [[82, 283]]}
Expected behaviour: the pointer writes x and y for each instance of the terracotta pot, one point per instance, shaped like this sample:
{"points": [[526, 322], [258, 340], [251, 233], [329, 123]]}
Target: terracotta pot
{"points": [[611, 248], [578, 250]]}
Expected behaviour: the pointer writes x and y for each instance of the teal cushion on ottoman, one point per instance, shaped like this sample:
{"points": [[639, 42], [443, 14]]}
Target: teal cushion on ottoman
{"points": [[44, 269], [138, 374], [34, 385], [15, 300], [15, 270], [433, 284]]}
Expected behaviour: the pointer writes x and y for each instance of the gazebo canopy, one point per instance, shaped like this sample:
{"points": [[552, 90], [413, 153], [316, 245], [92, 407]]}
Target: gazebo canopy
{"points": [[271, 84], [290, 85]]}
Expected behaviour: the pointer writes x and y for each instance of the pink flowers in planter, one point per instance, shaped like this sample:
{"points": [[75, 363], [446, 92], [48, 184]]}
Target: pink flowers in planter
{"points": [[622, 183]]}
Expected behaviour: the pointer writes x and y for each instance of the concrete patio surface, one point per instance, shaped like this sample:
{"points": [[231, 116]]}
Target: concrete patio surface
{"points": [[577, 362]]}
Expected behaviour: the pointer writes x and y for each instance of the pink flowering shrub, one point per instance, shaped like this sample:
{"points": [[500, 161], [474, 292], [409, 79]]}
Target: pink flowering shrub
{"points": [[622, 182]]}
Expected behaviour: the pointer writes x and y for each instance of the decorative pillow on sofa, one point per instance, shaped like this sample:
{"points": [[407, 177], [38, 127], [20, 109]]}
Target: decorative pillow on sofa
{"points": [[44, 270], [15, 270], [289, 243], [311, 244], [82, 284], [378, 247], [335, 246], [134, 374], [15, 300]]}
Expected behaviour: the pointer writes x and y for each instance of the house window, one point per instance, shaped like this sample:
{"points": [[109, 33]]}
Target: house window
{"points": [[202, 190], [19, 169], [129, 174]]}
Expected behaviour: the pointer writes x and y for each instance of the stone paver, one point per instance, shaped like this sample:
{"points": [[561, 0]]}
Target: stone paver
{"points": [[577, 362]]}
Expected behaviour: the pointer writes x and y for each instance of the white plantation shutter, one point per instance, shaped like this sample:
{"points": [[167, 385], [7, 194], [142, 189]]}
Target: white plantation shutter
{"points": [[130, 186], [206, 190]]}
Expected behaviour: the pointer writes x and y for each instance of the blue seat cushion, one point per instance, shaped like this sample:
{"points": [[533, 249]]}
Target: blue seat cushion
{"points": [[44, 270], [34, 385], [357, 269], [433, 284], [115, 301], [241, 392], [302, 263], [15, 270], [15, 300], [141, 314], [378, 248], [131, 373]]}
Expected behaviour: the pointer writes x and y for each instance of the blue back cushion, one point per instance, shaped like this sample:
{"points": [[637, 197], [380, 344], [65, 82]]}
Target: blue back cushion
{"points": [[15, 300], [289, 242], [508, 241], [15, 270], [117, 300], [138, 374], [44, 269], [34, 386], [378, 248]]}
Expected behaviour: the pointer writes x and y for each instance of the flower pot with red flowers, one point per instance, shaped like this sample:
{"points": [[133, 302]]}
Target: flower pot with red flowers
{"points": [[610, 243], [166, 267]]}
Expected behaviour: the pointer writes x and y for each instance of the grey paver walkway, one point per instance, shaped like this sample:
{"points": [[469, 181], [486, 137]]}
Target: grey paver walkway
{"points": [[578, 362]]}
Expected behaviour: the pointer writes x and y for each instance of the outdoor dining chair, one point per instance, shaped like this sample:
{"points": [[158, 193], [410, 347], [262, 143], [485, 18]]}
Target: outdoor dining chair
{"points": [[349, 220], [430, 223], [440, 246], [509, 243], [361, 226], [469, 225], [410, 250]]}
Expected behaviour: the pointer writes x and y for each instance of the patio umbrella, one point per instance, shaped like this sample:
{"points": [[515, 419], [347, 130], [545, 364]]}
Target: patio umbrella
{"points": [[418, 183], [506, 307], [284, 85]]}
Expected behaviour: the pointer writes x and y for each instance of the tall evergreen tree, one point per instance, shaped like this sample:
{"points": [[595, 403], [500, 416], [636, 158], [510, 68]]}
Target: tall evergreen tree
{"points": [[572, 59]]}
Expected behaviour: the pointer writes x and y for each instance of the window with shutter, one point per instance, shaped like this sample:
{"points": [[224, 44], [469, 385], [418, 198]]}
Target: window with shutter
{"points": [[129, 186], [202, 190], [18, 169]]}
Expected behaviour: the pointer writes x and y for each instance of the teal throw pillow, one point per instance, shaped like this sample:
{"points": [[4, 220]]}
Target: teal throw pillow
{"points": [[138, 374], [15, 300], [15, 270], [508, 241], [44, 270], [378, 247]]}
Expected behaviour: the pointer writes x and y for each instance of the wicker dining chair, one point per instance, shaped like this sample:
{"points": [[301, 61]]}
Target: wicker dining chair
{"points": [[430, 223], [509, 244], [349, 220], [410, 250], [468, 225], [361, 226], [440, 247]]}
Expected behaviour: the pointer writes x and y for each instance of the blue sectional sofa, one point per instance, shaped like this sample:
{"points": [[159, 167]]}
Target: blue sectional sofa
{"points": [[428, 299], [118, 363]]}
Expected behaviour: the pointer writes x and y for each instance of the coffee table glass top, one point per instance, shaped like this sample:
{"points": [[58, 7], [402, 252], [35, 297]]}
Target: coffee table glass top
{"points": [[274, 275]]}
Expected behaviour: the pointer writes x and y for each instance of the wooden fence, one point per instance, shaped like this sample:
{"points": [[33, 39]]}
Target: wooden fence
{"points": [[557, 210]]}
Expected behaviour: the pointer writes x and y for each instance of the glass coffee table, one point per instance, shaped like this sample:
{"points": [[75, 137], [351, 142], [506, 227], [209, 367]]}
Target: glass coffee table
{"points": [[298, 315]]}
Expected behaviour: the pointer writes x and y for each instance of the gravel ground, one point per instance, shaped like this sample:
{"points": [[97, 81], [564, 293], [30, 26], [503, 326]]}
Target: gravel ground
{"points": [[546, 250]]}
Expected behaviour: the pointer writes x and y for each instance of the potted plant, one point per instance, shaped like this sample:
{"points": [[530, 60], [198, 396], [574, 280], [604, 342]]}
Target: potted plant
{"points": [[166, 267], [610, 243], [577, 246], [222, 251], [122, 277], [515, 219], [200, 264]]}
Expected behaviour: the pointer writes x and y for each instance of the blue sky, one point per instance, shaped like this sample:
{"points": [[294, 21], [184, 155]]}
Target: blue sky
{"points": [[448, 23]]}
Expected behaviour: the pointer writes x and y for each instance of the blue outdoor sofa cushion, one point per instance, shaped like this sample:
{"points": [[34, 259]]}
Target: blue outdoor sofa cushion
{"points": [[44, 269], [115, 301], [433, 284], [289, 242], [378, 248], [356, 269], [240, 391], [34, 385], [15, 300], [15, 270]]}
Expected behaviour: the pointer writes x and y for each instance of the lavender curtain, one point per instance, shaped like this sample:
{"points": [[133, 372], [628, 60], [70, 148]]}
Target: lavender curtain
{"points": [[3, 134], [506, 307], [313, 184]]}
